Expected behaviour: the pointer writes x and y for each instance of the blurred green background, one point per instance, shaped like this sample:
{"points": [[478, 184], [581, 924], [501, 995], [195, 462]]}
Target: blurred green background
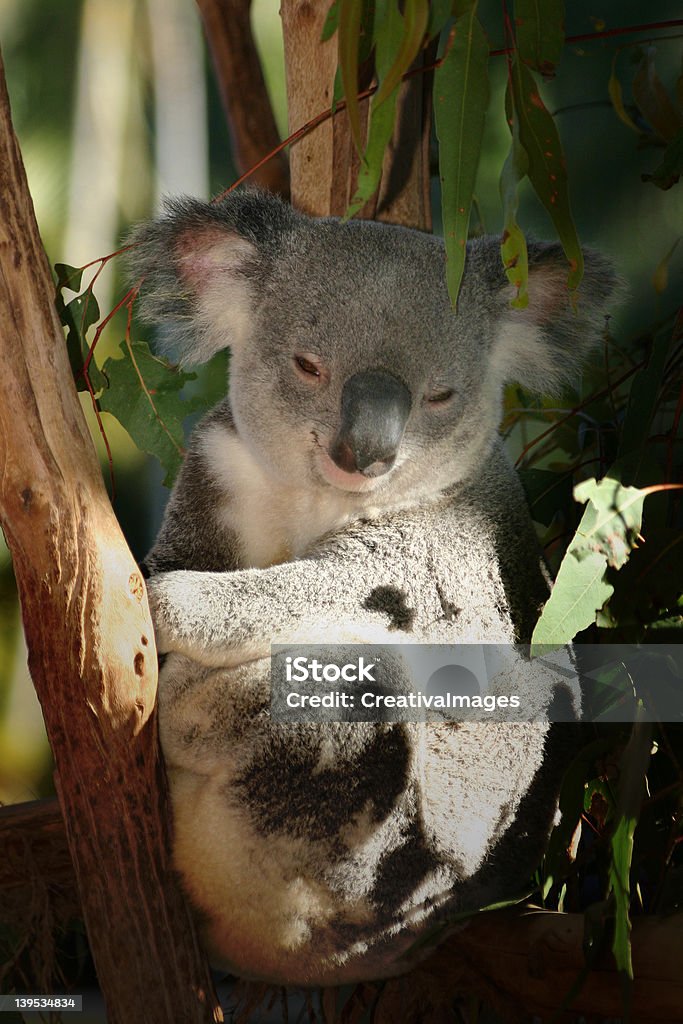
{"points": [[115, 105]]}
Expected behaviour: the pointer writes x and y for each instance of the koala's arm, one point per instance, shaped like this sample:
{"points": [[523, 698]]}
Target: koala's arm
{"points": [[225, 618]]}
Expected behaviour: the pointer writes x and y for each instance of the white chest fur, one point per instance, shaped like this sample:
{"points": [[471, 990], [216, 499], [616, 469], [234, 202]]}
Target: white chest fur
{"points": [[274, 521]]}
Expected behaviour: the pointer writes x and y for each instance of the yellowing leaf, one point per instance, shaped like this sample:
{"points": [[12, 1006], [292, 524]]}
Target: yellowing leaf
{"points": [[513, 248], [617, 97]]}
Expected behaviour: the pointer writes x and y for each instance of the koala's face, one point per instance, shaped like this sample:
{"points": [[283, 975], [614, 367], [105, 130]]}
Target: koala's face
{"points": [[360, 376], [349, 367]]}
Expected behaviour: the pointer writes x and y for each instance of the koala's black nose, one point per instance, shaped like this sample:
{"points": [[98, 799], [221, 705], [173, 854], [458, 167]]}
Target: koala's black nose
{"points": [[375, 407]]}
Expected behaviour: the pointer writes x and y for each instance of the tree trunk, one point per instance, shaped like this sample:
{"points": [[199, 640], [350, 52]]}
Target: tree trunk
{"points": [[324, 164], [91, 645]]}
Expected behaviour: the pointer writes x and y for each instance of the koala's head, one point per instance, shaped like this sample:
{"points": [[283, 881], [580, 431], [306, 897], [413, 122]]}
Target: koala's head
{"points": [[349, 367]]}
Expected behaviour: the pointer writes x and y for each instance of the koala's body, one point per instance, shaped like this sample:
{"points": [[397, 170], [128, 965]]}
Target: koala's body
{"points": [[350, 486]]}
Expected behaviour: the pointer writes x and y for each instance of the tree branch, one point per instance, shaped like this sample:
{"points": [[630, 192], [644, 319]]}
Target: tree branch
{"points": [[523, 960], [91, 645], [243, 91]]}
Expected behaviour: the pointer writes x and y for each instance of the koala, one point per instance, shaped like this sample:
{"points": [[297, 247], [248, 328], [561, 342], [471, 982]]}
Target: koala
{"points": [[351, 485]]}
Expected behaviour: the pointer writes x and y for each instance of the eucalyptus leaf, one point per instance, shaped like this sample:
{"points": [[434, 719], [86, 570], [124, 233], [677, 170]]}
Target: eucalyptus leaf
{"points": [[348, 33], [144, 396], [605, 536], [331, 22], [539, 31], [546, 163], [388, 33], [461, 96], [415, 19], [513, 249], [68, 277], [439, 14], [670, 167], [631, 790]]}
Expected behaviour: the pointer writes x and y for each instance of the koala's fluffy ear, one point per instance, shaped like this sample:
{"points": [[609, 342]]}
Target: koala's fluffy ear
{"points": [[202, 266], [545, 345]]}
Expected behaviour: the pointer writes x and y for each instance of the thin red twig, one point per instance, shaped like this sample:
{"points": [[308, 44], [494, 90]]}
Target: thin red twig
{"points": [[130, 295]]}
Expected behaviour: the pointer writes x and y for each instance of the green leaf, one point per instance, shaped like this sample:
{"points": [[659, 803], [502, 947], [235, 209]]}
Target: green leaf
{"points": [[331, 22], [461, 96], [604, 537], [616, 520], [78, 316], [144, 396], [579, 591], [387, 34], [68, 277], [633, 768], [546, 165], [571, 804], [439, 13], [670, 168], [415, 18], [539, 30], [348, 33]]}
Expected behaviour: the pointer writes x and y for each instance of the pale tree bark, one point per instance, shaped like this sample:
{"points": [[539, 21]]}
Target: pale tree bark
{"points": [[90, 641], [324, 165]]}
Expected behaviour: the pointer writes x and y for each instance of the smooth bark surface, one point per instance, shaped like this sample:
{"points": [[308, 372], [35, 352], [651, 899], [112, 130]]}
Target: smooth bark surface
{"points": [[324, 164], [90, 641]]}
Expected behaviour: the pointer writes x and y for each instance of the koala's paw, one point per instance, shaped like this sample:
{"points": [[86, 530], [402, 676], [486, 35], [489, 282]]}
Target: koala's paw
{"points": [[165, 605], [193, 615]]}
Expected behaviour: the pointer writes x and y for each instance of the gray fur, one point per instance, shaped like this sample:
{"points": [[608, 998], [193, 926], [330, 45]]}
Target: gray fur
{"points": [[317, 854]]}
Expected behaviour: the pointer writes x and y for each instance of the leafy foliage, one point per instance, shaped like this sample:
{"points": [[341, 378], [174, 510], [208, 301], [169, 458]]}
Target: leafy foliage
{"points": [[142, 391], [656, 115], [144, 394], [461, 100], [606, 534]]}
